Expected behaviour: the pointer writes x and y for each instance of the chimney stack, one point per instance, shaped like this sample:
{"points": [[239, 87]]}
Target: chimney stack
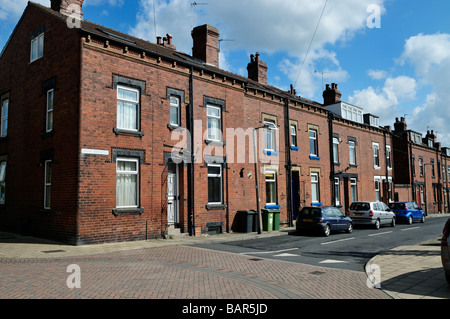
{"points": [[257, 69], [166, 41], [68, 7], [400, 126], [206, 44], [331, 95]]}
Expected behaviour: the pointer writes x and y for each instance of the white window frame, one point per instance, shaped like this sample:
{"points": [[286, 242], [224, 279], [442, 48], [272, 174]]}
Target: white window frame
{"points": [[377, 182], [270, 136], [315, 187], [4, 117], [388, 157], [352, 151], [136, 172], [49, 111], [376, 155], [37, 48], [314, 140], [175, 104], [354, 186], [275, 186], [214, 136], [335, 150], [337, 191], [293, 135], [48, 172], [220, 176], [135, 102]]}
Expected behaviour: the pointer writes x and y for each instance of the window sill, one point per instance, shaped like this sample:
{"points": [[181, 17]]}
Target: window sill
{"points": [[270, 153], [174, 127], [127, 211], [119, 131], [47, 134], [316, 204], [214, 142], [272, 206], [314, 157], [215, 206], [295, 148]]}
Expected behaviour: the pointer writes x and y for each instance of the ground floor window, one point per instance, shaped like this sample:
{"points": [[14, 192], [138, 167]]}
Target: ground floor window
{"points": [[2, 182], [354, 189], [377, 190], [47, 184], [127, 186], [271, 188], [337, 192], [215, 184], [315, 189]]}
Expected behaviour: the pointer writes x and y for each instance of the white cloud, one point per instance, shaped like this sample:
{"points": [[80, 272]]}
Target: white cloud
{"points": [[264, 26], [384, 101], [13, 9], [377, 74]]}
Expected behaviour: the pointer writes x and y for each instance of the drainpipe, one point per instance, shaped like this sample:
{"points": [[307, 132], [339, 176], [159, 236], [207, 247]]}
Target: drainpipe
{"points": [[386, 160], [289, 162], [191, 165], [332, 172]]}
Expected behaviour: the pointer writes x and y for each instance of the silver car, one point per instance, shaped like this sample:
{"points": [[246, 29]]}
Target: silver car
{"points": [[445, 252], [371, 213]]}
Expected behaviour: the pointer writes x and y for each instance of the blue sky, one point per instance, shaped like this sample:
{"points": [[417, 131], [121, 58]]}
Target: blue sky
{"points": [[401, 68]]}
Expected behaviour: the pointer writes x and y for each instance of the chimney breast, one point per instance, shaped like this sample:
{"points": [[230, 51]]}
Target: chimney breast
{"points": [[257, 69], [331, 95], [206, 44], [68, 7]]}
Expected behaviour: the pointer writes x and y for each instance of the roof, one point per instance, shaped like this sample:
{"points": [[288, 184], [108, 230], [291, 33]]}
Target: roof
{"points": [[91, 28]]}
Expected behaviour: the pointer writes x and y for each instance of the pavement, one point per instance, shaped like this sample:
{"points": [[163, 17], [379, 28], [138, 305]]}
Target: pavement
{"points": [[33, 268]]}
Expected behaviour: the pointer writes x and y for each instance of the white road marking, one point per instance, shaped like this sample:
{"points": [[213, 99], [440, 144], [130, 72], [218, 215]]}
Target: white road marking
{"points": [[331, 261], [337, 241], [378, 234], [267, 252], [412, 228], [286, 255]]}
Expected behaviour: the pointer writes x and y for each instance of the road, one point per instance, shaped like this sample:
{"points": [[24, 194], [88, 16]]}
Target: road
{"points": [[339, 250]]}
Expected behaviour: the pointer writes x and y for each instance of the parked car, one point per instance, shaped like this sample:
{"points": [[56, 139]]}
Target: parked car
{"points": [[408, 212], [445, 250], [371, 213], [323, 219]]}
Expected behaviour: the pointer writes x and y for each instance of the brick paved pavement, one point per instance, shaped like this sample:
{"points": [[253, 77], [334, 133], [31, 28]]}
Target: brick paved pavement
{"points": [[179, 272]]}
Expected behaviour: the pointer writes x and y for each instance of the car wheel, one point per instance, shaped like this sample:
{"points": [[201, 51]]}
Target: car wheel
{"points": [[410, 220], [393, 222], [377, 224], [423, 219], [350, 228], [326, 231]]}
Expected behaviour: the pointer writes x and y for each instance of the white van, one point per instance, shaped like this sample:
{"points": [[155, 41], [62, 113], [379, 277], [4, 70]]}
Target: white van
{"points": [[371, 213]]}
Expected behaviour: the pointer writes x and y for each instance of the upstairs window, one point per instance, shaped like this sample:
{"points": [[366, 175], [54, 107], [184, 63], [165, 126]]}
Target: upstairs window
{"points": [[4, 118], [49, 117], [293, 135], [335, 150], [313, 148], [214, 123], [37, 47], [376, 155], [128, 100], [352, 151], [174, 111], [269, 136]]}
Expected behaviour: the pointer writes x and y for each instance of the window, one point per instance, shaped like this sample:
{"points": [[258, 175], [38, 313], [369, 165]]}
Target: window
{"points": [[376, 155], [315, 190], [174, 111], [388, 156], [313, 149], [448, 169], [214, 124], [430, 143], [421, 166], [352, 151], [269, 135], [413, 165], [37, 47], [337, 192], [2, 182], [128, 108], [127, 184], [336, 150], [354, 189], [432, 168], [271, 188], [49, 117], [443, 173], [4, 118], [293, 135], [47, 184], [215, 184], [377, 190]]}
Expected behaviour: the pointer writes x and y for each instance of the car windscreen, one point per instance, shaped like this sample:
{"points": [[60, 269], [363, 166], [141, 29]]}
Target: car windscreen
{"points": [[311, 212], [360, 206]]}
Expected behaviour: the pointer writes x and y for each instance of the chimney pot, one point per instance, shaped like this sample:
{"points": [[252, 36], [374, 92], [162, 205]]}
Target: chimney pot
{"points": [[257, 69], [68, 7], [331, 96]]}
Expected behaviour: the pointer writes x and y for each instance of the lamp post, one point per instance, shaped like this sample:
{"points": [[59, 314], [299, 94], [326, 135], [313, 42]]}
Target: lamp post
{"points": [[258, 199]]}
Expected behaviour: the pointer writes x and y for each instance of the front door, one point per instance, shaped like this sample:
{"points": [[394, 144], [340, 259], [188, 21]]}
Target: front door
{"points": [[295, 194], [172, 192]]}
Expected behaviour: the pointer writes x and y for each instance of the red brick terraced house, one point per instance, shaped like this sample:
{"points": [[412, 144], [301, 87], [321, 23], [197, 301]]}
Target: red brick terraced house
{"points": [[108, 138]]}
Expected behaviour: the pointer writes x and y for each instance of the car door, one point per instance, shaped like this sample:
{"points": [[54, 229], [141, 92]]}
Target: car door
{"points": [[341, 219], [331, 218]]}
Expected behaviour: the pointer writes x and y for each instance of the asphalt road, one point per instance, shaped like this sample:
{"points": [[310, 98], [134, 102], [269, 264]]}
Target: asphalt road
{"points": [[339, 250]]}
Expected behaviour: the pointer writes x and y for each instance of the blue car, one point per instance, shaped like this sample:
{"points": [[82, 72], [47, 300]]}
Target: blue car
{"points": [[323, 219], [407, 212]]}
